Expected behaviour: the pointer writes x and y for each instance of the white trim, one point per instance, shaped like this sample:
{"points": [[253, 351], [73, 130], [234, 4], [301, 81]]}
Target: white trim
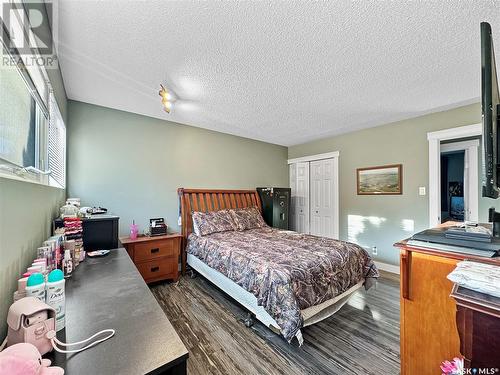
{"points": [[459, 132], [388, 267], [435, 149], [336, 198], [326, 155]]}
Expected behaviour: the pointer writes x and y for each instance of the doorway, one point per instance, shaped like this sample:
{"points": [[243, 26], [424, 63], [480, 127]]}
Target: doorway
{"points": [[452, 185], [461, 194]]}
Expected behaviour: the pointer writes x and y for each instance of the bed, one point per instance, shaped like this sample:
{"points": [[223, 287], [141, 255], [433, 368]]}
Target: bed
{"points": [[287, 280]]}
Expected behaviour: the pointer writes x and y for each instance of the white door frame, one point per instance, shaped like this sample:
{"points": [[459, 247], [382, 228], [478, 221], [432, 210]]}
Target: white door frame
{"points": [[435, 139], [328, 155]]}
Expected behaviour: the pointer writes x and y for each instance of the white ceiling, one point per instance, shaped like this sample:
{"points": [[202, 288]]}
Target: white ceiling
{"points": [[284, 72]]}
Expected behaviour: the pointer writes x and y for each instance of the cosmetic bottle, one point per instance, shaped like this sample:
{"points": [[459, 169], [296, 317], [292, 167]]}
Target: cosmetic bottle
{"points": [[67, 264], [134, 230], [42, 265], [56, 296], [35, 286], [51, 259], [21, 289], [35, 269]]}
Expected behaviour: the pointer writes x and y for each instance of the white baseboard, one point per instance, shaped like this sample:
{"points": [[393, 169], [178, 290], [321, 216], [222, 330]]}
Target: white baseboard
{"points": [[387, 267]]}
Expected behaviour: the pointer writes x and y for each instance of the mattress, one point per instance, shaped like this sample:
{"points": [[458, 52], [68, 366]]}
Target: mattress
{"points": [[286, 271]]}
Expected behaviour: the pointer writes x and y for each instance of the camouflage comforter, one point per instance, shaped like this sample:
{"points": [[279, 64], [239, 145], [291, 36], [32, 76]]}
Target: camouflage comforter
{"points": [[286, 271]]}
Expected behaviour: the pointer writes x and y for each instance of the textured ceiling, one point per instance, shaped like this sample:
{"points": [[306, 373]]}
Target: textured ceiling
{"points": [[284, 72]]}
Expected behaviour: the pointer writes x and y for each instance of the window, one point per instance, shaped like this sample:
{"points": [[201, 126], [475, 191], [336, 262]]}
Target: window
{"points": [[56, 145], [18, 130], [32, 131]]}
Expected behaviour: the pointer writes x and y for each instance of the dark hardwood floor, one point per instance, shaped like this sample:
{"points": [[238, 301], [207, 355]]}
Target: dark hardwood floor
{"points": [[362, 338]]}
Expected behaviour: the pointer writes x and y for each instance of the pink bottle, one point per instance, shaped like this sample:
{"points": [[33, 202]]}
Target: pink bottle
{"points": [[134, 230]]}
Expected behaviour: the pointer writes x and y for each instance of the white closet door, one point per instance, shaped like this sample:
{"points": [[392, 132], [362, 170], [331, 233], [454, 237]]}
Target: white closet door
{"points": [[300, 196], [322, 198]]}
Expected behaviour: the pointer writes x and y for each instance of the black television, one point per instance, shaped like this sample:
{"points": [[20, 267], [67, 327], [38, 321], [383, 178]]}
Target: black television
{"points": [[490, 112]]}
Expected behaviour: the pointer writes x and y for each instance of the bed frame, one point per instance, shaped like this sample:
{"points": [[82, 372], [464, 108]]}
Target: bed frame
{"points": [[213, 200], [210, 200]]}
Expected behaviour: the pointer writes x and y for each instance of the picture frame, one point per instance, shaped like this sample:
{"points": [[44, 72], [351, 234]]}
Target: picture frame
{"points": [[380, 180]]}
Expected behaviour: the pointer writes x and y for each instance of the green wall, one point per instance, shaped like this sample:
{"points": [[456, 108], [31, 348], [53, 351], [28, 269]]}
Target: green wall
{"points": [[133, 165], [382, 220], [26, 213]]}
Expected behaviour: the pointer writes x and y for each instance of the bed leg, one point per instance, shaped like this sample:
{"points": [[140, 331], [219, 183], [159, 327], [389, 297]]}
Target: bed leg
{"points": [[249, 320]]}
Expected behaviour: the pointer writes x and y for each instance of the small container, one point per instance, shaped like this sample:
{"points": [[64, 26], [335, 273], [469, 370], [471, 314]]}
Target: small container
{"points": [[43, 266], [21, 285], [67, 264], [35, 269], [56, 296], [41, 260], [134, 231], [35, 287], [52, 258]]}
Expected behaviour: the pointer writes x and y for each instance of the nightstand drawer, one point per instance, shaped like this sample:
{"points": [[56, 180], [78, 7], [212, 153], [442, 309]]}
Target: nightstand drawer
{"points": [[156, 258], [153, 250], [158, 268]]}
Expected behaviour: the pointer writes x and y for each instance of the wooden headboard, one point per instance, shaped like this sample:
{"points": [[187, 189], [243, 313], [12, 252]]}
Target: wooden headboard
{"points": [[210, 200]]}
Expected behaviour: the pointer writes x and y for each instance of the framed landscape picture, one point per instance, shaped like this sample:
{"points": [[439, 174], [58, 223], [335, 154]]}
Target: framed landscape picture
{"points": [[383, 180]]}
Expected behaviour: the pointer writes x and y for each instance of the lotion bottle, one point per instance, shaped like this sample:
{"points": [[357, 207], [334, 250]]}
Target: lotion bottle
{"points": [[56, 296]]}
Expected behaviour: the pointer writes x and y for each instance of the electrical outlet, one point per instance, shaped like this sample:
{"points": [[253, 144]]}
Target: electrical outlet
{"points": [[374, 250], [179, 221]]}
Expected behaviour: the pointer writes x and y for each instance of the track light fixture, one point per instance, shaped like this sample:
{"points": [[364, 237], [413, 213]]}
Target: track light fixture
{"points": [[166, 98]]}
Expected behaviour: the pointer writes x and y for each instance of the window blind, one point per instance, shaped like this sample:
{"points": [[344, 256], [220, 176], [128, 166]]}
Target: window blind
{"points": [[56, 145], [17, 119]]}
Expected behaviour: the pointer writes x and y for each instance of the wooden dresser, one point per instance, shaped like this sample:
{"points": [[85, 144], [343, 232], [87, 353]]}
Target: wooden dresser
{"points": [[429, 332], [156, 258]]}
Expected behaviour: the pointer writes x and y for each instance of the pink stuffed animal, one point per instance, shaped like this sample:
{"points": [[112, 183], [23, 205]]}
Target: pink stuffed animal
{"points": [[25, 359]]}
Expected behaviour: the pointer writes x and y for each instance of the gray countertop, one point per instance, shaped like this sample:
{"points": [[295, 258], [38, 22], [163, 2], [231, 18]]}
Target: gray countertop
{"points": [[109, 292]]}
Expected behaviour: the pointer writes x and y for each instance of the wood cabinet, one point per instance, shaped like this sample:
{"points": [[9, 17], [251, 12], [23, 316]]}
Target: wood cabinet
{"points": [[429, 333], [428, 329], [156, 258]]}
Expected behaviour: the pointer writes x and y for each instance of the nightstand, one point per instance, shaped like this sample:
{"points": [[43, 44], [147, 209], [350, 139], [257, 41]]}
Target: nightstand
{"points": [[156, 258]]}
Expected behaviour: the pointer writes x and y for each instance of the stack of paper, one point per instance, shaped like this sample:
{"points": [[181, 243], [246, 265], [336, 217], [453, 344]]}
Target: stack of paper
{"points": [[481, 277]]}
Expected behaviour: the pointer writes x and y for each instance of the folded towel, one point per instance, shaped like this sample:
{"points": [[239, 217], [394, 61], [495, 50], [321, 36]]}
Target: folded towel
{"points": [[481, 277]]}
